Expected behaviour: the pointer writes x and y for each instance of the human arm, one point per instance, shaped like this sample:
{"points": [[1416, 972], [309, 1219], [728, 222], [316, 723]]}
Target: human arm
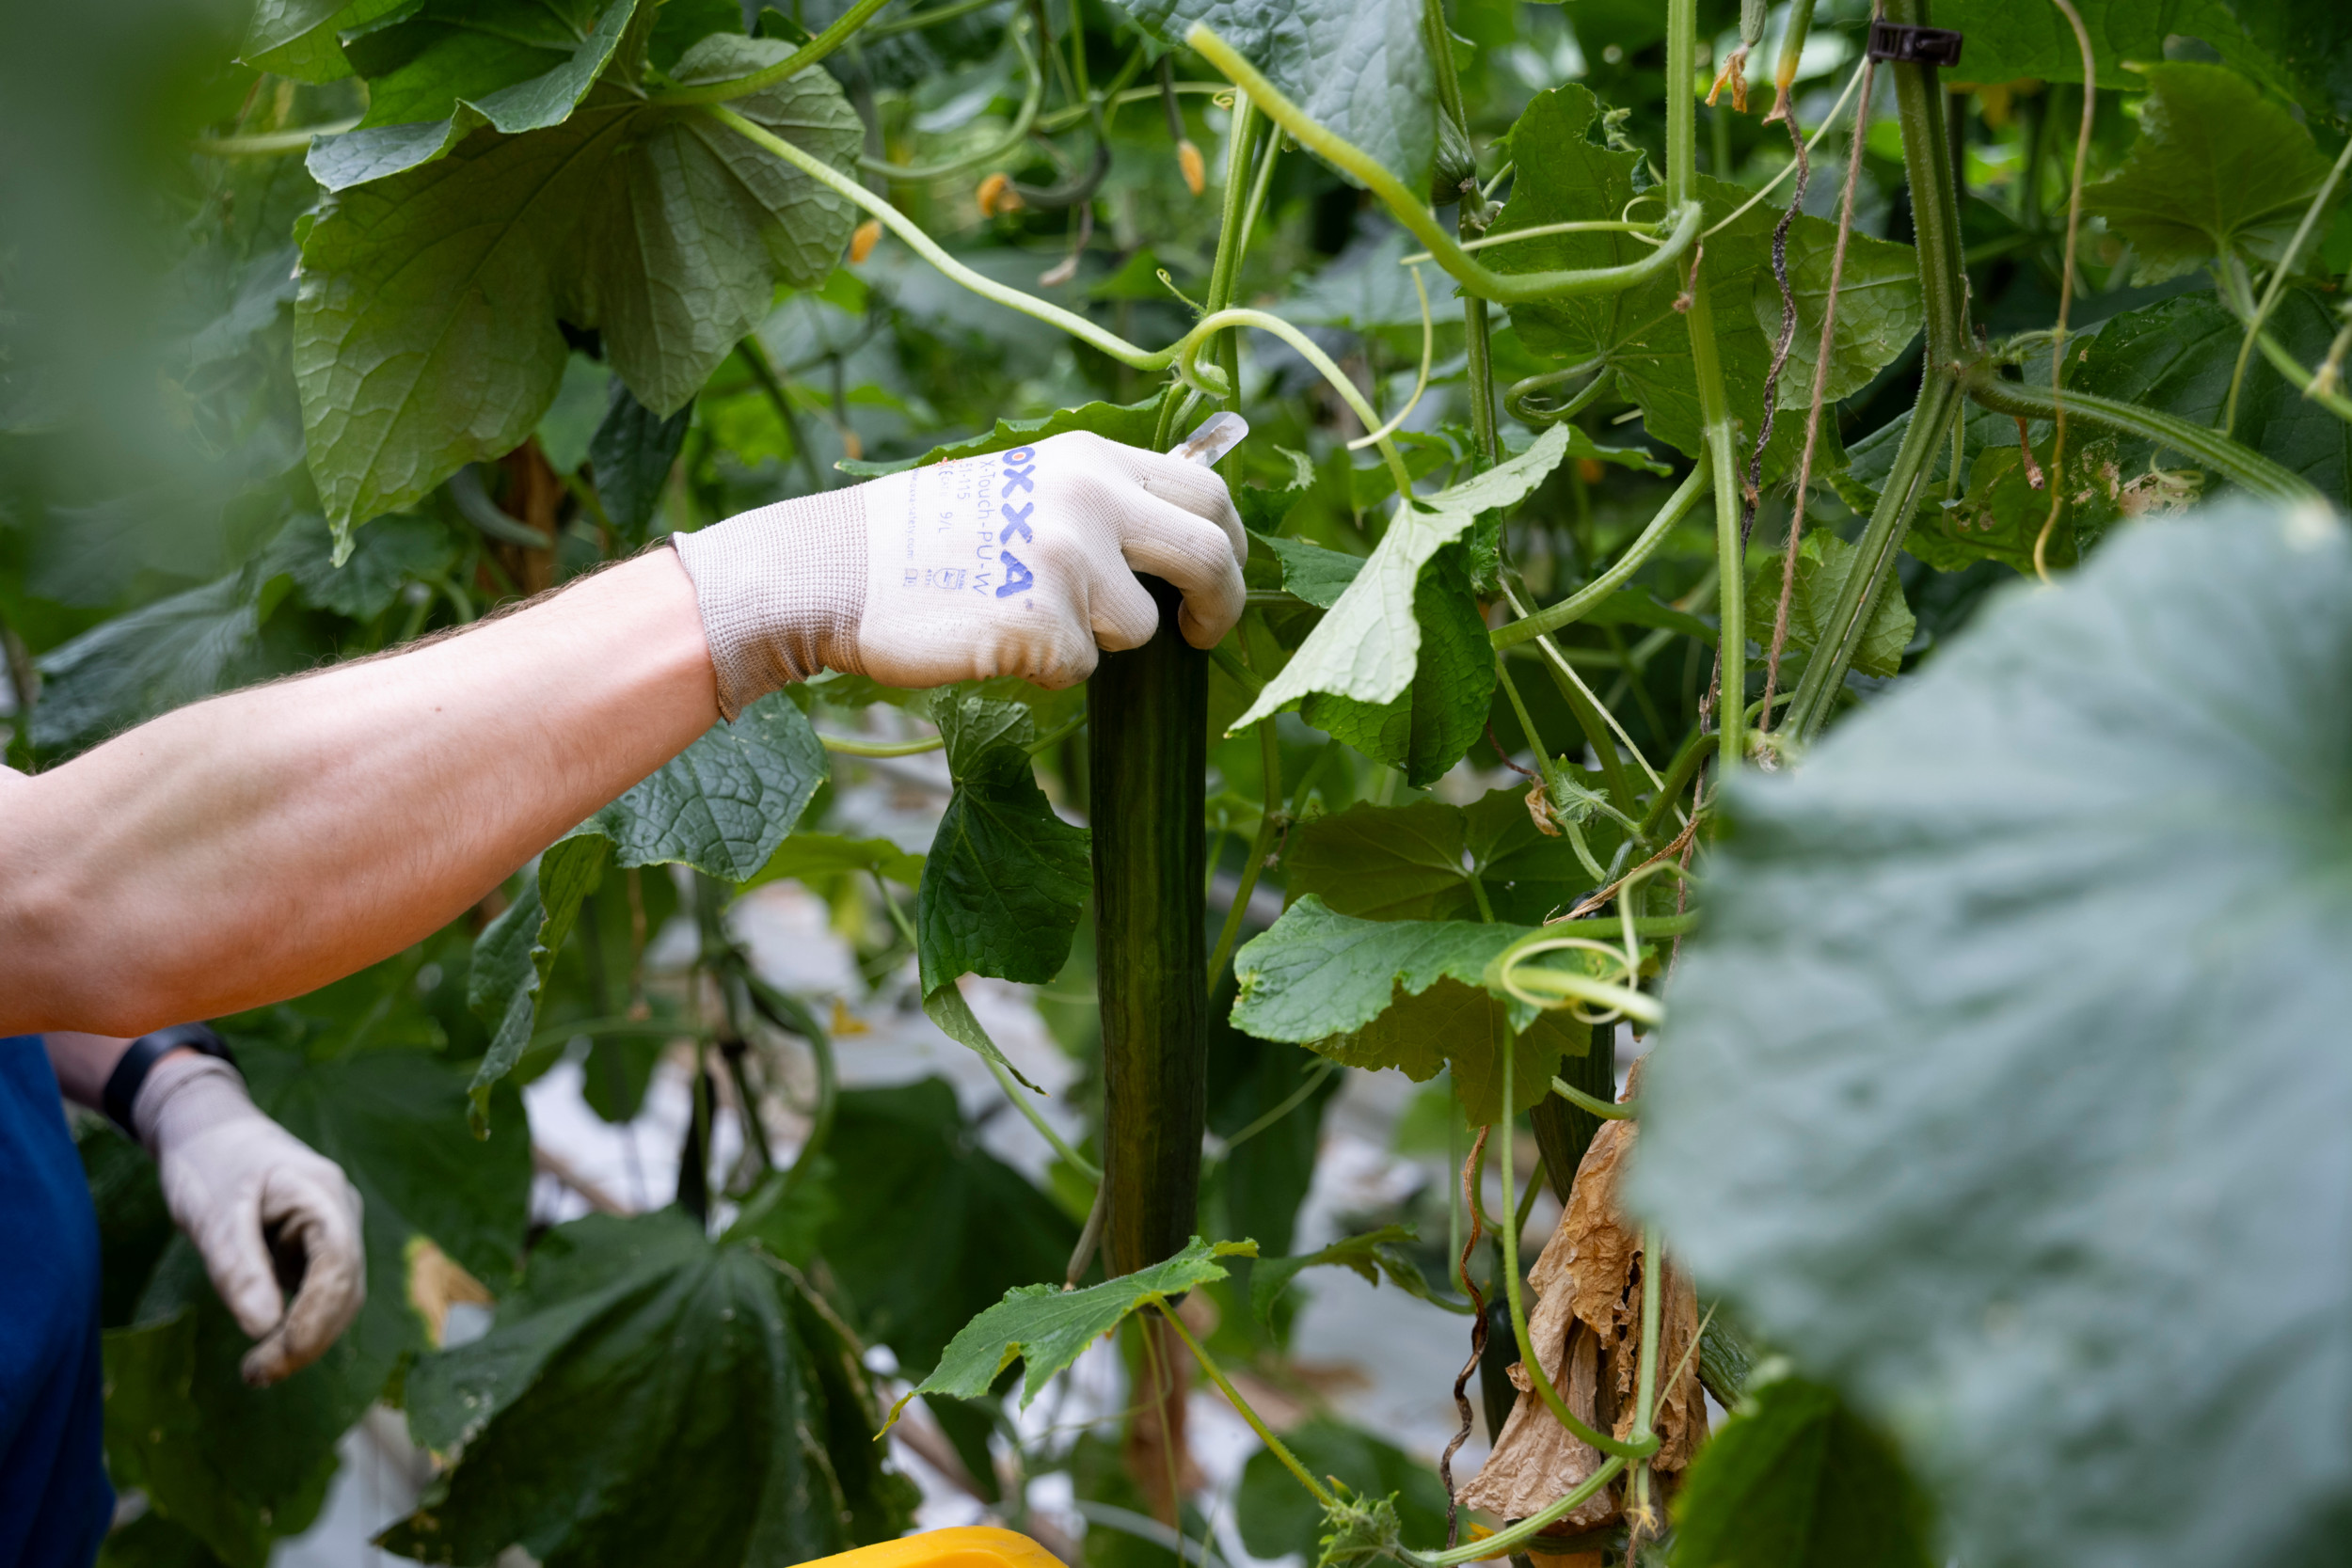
{"points": [[379, 800], [246, 1192]]}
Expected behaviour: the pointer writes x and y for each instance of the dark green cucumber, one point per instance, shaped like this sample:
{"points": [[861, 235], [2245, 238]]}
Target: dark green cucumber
{"points": [[1147, 758]]}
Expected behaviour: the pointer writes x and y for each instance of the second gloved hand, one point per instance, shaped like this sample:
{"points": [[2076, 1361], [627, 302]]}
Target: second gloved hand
{"points": [[238, 1184], [1021, 563]]}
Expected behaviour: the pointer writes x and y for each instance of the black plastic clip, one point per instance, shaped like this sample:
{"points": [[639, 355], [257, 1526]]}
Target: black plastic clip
{"points": [[1891, 40]]}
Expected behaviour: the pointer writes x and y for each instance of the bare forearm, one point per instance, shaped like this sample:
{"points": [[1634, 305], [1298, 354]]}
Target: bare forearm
{"points": [[258, 844]]}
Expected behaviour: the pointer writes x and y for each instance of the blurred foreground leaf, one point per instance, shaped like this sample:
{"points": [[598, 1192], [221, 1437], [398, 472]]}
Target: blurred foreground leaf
{"points": [[2029, 990]]}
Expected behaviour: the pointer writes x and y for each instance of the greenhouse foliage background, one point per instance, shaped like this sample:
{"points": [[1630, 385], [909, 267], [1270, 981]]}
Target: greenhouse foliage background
{"points": [[189, 281]]}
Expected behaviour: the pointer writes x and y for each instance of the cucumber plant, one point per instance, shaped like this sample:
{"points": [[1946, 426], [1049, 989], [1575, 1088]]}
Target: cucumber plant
{"points": [[1710, 584]]}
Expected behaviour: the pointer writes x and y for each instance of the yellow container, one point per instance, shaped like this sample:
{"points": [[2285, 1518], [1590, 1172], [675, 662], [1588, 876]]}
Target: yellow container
{"points": [[964, 1547]]}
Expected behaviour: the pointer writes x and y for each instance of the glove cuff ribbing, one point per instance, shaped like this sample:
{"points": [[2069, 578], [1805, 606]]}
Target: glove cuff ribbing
{"points": [[186, 1089], [781, 590]]}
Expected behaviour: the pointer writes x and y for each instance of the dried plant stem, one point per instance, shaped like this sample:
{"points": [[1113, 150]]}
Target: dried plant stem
{"points": [[1478, 1329], [1813, 413]]}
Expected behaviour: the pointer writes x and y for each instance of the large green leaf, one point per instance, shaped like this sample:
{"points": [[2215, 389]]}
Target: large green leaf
{"points": [[1046, 1327], [1566, 176], [1793, 1481], [298, 38], [2309, 42], [1409, 994], [935, 1229], [1277, 1516], [2005, 40], [2217, 170], [647, 1396], [451, 67], [425, 327], [1419, 861], [1823, 563], [2028, 990], [721, 806], [1006, 878], [1425, 730], [1367, 645], [1360, 68]]}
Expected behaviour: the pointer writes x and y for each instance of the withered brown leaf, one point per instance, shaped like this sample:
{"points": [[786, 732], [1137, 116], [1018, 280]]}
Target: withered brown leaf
{"points": [[1586, 1325]]}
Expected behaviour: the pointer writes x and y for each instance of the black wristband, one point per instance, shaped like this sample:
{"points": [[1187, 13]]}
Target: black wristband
{"points": [[130, 1073]]}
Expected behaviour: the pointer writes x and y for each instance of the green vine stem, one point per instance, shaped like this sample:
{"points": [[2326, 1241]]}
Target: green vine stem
{"points": [[842, 745], [2320, 385], [834, 37], [1579, 604], [1593, 1105], [2279, 279], [1914, 461], [268, 144], [1232, 236], [2240, 464], [1536, 1376], [1518, 399], [1706, 365], [930, 250], [1410, 211], [1527, 1530], [1935, 200], [1275, 1446], [1181, 353], [1033, 95], [1944, 299], [932, 18], [1645, 1370], [1270, 820]]}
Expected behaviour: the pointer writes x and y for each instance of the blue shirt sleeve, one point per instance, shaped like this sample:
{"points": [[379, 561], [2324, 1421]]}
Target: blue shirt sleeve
{"points": [[56, 1503]]}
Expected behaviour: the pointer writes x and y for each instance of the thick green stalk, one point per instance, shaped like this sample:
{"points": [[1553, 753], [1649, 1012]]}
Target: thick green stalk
{"points": [[2241, 466], [1944, 297], [1874, 557], [1018, 132], [1934, 200], [1414, 213], [1226, 269]]}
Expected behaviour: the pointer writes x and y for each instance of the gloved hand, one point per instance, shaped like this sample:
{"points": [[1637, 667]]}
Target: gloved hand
{"points": [[1021, 563], [240, 1186]]}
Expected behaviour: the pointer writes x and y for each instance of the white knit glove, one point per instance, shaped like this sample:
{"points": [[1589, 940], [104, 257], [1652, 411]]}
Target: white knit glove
{"points": [[1021, 563], [238, 1184]]}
